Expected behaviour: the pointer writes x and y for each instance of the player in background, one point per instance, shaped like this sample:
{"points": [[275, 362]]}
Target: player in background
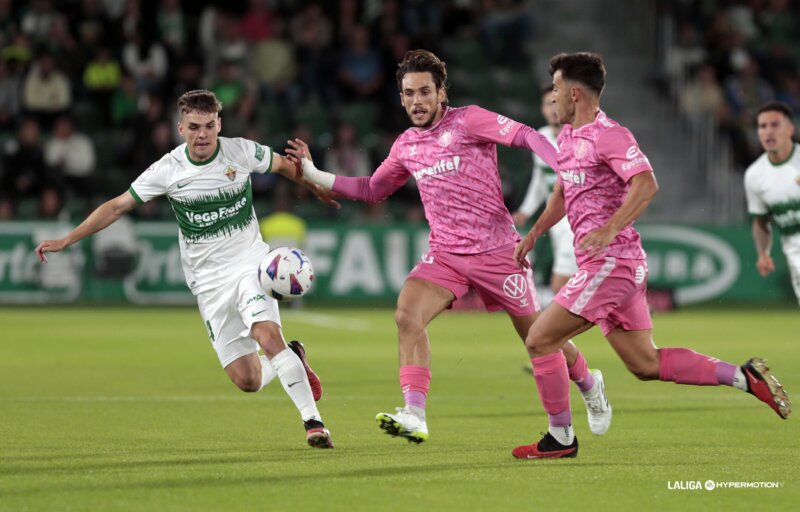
{"points": [[540, 188], [207, 182], [604, 184], [452, 154], [772, 187]]}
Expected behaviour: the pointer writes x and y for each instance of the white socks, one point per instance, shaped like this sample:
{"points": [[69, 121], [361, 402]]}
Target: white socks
{"points": [[740, 379], [267, 372], [564, 435], [293, 376]]}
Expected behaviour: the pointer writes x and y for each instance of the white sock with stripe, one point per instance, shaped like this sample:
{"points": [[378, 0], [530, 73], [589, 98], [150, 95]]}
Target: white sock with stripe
{"points": [[293, 377]]}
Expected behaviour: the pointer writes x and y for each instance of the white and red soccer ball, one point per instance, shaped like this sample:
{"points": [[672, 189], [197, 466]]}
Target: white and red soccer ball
{"points": [[285, 273]]}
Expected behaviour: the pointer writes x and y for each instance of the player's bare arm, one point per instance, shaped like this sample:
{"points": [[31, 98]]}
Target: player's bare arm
{"points": [[643, 188], [102, 217], [290, 168], [553, 212], [762, 236]]}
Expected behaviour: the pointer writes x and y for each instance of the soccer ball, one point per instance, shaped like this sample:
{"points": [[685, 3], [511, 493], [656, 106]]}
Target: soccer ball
{"points": [[285, 273]]}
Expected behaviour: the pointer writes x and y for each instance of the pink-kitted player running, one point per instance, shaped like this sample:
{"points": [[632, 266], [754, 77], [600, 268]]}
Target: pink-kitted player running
{"points": [[604, 184], [452, 154]]}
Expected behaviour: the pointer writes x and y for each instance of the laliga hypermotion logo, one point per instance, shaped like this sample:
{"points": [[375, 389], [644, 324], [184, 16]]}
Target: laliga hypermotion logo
{"points": [[515, 286]]}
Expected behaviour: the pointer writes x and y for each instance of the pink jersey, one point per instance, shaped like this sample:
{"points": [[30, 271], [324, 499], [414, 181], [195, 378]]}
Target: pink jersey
{"points": [[595, 165], [455, 165]]}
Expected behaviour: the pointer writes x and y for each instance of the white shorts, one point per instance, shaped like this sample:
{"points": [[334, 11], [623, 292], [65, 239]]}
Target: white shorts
{"points": [[791, 248], [230, 313], [562, 240]]}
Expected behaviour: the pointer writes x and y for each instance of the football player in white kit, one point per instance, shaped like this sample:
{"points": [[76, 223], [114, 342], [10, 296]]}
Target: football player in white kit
{"points": [[772, 187], [539, 190], [207, 182]]}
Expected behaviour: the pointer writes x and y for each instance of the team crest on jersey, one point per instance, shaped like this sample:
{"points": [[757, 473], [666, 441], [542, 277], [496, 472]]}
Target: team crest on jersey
{"points": [[230, 172], [581, 148], [446, 138], [412, 150]]}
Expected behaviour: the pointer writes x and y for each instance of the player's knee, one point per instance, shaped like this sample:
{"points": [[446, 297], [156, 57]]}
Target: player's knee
{"points": [[249, 382], [644, 370], [269, 337], [406, 321]]}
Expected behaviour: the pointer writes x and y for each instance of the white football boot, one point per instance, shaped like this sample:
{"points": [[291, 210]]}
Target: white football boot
{"points": [[597, 407], [407, 422]]}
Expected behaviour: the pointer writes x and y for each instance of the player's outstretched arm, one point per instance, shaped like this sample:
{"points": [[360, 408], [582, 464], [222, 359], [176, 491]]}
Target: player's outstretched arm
{"points": [[371, 189], [102, 217], [290, 168], [553, 212], [643, 188], [762, 236]]}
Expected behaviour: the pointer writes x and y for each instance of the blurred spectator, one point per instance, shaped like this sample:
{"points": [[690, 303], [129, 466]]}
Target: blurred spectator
{"points": [[225, 42], [780, 21], [505, 28], [258, 22], [46, 91], [360, 71], [312, 33], [51, 204], [9, 96], [188, 78], [172, 27], [72, 153], [101, 78], [687, 53], [387, 23], [159, 143], [274, 66], [346, 157], [25, 174], [422, 17], [146, 61], [125, 103], [89, 24], [8, 25], [789, 93], [702, 97], [229, 87], [747, 91], [37, 21], [18, 52]]}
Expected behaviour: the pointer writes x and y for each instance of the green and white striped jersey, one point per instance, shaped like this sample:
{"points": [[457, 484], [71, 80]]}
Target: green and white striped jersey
{"points": [[213, 203], [774, 190]]}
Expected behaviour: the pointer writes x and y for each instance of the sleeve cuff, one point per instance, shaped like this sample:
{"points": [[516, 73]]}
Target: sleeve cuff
{"points": [[135, 195]]}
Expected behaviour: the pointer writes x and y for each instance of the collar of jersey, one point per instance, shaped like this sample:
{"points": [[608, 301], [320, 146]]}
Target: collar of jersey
{"points": [[596, 117], [204, 162], [794, 146]]}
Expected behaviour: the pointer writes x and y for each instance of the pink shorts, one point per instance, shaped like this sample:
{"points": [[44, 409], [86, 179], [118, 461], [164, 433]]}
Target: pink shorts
{"points": [[609, 293], [494, 275]]}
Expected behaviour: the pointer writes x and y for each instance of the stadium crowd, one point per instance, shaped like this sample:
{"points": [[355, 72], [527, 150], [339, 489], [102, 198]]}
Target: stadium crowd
{"points": [[728, 58], [88, 87]]}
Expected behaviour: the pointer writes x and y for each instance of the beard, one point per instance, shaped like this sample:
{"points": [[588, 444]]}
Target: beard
{"points": [[426, 123]]}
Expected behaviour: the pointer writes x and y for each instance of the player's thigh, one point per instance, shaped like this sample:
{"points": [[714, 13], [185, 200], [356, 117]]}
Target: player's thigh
{"points": [[259, 315], [420, 301], [501, 283], [554, 326], [522, 324], [227, 332], [637, 351]]}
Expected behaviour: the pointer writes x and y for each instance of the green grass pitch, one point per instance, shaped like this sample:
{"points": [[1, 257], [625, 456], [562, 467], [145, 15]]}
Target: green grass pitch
{"points": [[127, 409]]}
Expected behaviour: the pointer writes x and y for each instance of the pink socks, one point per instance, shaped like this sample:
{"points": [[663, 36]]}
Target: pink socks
{"points": [[415, 381], [552, 379], [580, 375], [684, 366]]}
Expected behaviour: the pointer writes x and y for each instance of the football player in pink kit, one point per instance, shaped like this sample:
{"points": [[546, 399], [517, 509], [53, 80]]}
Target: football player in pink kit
{"points": [[605, 183], [452, 154]]}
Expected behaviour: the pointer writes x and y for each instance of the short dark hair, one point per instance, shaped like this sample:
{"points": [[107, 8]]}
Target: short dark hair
{"points": [[584, 67], [776, 106], [200, 100], [421, 61]]}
